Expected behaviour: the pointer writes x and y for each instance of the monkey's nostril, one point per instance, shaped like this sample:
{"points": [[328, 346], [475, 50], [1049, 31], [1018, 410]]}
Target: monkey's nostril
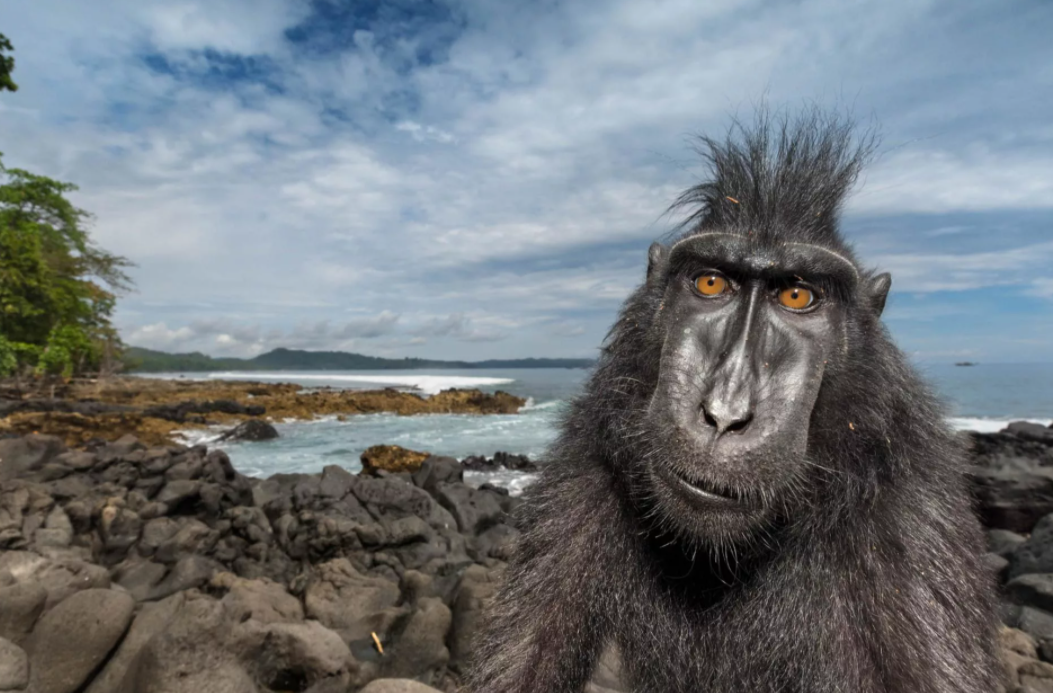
{"points": [[709, 418], [725, 422], [739, 426]]}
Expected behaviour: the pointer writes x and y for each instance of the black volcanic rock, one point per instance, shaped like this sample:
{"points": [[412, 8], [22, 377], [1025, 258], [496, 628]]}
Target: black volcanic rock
{"points": [[500, 460], [253, 429], [276, 584]]}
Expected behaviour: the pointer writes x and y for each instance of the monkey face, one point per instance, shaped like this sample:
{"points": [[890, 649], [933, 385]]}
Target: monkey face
{"points": [[748, 332]]}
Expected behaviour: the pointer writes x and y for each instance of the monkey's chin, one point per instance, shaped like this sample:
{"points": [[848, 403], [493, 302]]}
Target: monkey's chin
{"points": [[706, 511]]}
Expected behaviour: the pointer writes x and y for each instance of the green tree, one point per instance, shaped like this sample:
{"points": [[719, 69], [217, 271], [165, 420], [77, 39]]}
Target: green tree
{"points": [[7, 65], [57, 288]]}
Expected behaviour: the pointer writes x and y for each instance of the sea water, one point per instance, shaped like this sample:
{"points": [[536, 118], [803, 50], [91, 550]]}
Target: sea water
{"points": [[984, 397]]}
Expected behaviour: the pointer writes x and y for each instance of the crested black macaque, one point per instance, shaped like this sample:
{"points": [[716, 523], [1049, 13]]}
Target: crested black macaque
{"points": [[755, 492]]}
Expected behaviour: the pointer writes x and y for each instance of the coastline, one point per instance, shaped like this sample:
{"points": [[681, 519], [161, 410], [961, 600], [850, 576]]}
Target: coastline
{"points": [[153, 409]]}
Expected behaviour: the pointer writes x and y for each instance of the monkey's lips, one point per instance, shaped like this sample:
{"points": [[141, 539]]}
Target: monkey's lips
{"points": [[702, 493]]}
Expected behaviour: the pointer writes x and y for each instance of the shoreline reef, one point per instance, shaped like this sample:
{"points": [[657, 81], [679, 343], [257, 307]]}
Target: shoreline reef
{"points": [[128, 566], [152, 409]]}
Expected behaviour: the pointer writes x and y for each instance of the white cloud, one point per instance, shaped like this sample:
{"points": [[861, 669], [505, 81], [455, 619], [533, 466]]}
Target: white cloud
{"points": [[222, 337], [944, 271], [1042, 287], [460, 327], [930, 181]]}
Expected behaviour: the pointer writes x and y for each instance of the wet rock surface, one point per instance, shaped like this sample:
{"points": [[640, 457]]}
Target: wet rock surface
{"points": [[253, 429], [392, 458]]}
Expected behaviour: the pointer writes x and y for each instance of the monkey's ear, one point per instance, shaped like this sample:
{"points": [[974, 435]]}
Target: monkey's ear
{"points": [[877, 290], [657, 257]]}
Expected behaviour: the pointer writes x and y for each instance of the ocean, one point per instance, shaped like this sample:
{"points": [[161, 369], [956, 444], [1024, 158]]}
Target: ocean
{"points": [[984, 397]]}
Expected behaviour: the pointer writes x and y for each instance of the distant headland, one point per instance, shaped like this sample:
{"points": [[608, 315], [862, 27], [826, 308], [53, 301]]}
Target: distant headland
{"points": [[139, 360]]}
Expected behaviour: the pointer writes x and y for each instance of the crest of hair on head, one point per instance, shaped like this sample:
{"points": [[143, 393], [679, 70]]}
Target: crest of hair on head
{"points": [[787, 174]]}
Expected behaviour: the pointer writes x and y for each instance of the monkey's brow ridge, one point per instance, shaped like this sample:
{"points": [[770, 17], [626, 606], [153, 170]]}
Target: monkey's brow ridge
{"points": [[833, 253]]}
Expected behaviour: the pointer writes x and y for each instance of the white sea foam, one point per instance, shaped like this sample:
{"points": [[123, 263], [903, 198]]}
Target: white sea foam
{"points": [[199, 436], [981, 425], [427, 384], [515, 482], [531, 405]]}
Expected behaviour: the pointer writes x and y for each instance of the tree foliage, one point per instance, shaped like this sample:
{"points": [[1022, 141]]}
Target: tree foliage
{"points": [[7, 65], [57, 288]]}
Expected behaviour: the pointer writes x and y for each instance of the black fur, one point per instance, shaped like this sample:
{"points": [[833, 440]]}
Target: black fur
{"points": [[873, 583]]}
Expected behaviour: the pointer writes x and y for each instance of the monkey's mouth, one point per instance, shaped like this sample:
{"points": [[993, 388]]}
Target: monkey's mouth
{"points": [[701, 491]]}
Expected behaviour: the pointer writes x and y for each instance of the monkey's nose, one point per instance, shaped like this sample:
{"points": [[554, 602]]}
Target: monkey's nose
{"points": [[727, 416]]}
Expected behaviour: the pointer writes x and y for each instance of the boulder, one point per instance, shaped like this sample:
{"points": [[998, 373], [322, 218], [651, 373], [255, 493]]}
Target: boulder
{"points": [[1003, 542], [476, 590], [474, 510], [119, 529], [1017, 641], [1007, 450], [436, 470], [193, 537], [14, 666], [1012, 499], [417, 644], [139, 577], [406, 530], [252, 430], [1036, 676], [155, 533], [180, 491], [995, 565], [1035, 622], [190, 654], [21, 603], [291, 656], [498, 542], [1028, 430], [1035, 589], [185, 467], [210, 645], [391, 499], [72, 639], [61, 576], [20, 456], [335, 482], [391, 458], [57, 531], [262, 600], [1035, 555], [346, 601], [189, 572], [151, 619]]}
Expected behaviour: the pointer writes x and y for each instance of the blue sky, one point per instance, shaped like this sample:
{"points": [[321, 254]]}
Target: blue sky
{"points": [[481, 178]]}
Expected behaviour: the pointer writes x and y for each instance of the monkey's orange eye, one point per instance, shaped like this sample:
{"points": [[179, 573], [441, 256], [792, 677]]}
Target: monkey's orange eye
{"points": [[711, 284], [796, 297]]}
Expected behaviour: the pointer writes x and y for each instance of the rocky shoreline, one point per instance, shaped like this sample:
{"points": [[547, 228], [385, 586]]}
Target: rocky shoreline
{"points": [[133, 568], [153, 409], [127, 566]]}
